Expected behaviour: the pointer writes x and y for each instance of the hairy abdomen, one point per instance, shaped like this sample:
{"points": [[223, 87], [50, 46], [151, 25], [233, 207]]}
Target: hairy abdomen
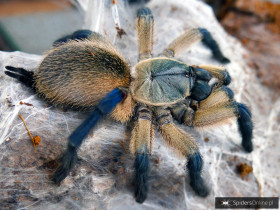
{"points": [[79, 74]]}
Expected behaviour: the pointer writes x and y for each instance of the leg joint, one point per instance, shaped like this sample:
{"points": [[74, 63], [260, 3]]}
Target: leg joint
{"points": [[183, 114], [143, 112], [163, 116]]}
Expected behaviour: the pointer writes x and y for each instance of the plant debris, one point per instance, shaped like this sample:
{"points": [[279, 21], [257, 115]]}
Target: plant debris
{"points": [[120, 31], [35, 139], [122, 143], [244, 169], [24, 103], [9, 103]]}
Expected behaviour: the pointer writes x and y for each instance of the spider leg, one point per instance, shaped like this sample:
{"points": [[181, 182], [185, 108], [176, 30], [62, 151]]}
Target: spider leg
{"points": [[218, 108], [194, 166], [145, 29], [214, 115], [221, 113], [183, 113], [140, 146], [245, 126], [212, 44], [216, 71], [187, 146], [218, 97], [82, 35], [77, 35], [192, 36], [69, 158], [22, 75]]}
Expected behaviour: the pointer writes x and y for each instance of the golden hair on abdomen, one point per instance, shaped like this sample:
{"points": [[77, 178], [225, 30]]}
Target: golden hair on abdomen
{"points": [[80, 74]]}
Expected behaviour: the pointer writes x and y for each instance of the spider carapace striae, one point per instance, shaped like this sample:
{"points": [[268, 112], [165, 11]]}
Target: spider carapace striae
{"points": [[85, 71]]}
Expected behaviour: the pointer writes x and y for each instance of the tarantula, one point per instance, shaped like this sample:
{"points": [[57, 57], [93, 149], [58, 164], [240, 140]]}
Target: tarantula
{"points": [[85, 71]]}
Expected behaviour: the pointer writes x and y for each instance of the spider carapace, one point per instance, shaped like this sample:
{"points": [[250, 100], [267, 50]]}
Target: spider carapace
{"points": [[85, 71]]}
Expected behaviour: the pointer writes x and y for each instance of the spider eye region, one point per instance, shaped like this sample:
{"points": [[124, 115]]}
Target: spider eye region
{"points": [[161, 81]]}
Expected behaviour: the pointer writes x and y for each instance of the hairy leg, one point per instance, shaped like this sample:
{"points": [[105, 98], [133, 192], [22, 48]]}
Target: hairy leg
{"points": [[194, 165], [218, 97], [217, 109], [192, 36], [145, 30], [141, 146], [245, 126], [69, 158], [217, 71], [213, 46], [186, 145], [221, 113], [183, 42], [214, 115]]}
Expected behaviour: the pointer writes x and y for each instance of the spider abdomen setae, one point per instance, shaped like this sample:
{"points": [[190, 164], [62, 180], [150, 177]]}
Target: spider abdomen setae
{"points": [[85, 71], [80, 74]]}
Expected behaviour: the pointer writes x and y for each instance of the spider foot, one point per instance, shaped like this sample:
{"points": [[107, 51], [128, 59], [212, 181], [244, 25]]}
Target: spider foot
{"points": [[141, 177], [68, 161], [199, 187], [212, 44], [248, 146], [195, 164], [245, 126]]}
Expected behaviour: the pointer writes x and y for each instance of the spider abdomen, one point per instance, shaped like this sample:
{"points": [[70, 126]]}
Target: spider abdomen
{"points": [[161, 81], [80, 74]]}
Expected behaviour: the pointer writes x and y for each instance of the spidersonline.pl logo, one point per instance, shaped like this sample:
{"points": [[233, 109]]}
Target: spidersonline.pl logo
{"points": [[226, 203], [247, 202]]}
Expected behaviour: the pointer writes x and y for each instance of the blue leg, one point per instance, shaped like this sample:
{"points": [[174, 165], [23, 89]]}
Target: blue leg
{"points": [[194, 166], [140, 146], [226, 78], [245, 126], [228, 91], [79, 35], [212, 44], [141, 165], [104, 107]]}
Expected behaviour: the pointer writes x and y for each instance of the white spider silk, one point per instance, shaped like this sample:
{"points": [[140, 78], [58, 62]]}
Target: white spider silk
{"points": [[103, 176]]}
